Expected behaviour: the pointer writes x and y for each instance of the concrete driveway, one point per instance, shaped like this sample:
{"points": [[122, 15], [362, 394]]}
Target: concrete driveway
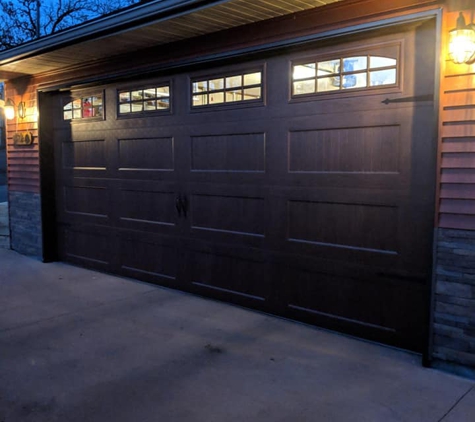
{"points": [[77, 345]]}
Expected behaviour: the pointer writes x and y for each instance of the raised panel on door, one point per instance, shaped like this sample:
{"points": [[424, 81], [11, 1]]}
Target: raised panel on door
{"points": [[354, 299], [150, 257], [147, 206], [228, 272], [90, 246]]}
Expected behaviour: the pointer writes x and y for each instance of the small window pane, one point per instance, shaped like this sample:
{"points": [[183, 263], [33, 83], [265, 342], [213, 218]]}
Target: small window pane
{"points": [[353, 64], [150, 105], [383, 77], [216, 97], [137, 95], [354, 81], [137, 107], [232, 96], [163, 90], [328, 84], [68, 106], [234, 81], [77, 113], [124, 108], [87, 110], [200, 86], [252, 93], [304, 87], [68, 115], [77, 103], [96, 101], [199, 100], [252, 78], [304, 71], [163, 103], [329, 67], [216, 84], [124, 97], [149, 93], [377, 61]]}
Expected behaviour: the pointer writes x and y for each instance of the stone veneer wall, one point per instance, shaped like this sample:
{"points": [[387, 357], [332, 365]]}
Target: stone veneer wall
{"points": [[454, 315], [25, 223]]}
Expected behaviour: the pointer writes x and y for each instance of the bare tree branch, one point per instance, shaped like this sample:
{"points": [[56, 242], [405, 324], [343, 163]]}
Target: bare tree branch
{"points": [[20, 18]]}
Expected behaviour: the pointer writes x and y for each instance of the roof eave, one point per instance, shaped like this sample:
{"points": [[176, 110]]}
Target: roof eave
{"points": [[127, 19]]}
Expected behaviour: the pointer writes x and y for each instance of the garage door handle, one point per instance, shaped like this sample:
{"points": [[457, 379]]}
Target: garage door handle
{"points": [[178, 205], [184, 205], [428, 97]]}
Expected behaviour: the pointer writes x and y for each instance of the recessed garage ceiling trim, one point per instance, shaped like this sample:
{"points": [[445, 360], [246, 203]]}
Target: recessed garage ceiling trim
{"points": [[387, 24]]}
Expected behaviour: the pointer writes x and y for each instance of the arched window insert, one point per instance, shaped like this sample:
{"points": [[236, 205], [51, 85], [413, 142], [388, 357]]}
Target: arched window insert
{"points": [[361, 71], [84, 107]]}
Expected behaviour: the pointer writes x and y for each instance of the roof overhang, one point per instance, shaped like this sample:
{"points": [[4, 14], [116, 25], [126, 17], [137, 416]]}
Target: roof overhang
{"points": [[147, 25]]}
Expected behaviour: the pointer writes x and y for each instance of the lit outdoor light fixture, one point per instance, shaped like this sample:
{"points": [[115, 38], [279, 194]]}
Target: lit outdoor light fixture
{"points": [[19, 138], [21, 110], [9, 109], [462, 42]]}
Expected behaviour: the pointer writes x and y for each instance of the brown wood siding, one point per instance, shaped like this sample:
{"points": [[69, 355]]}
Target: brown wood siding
{"points": [[456, 206], [23, 161]]}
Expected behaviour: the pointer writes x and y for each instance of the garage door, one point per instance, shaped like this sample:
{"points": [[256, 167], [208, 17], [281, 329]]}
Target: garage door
{"points": [[299, 184]]}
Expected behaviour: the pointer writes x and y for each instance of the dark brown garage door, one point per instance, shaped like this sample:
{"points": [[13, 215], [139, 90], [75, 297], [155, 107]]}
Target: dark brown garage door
{"points": [[287, 184]]}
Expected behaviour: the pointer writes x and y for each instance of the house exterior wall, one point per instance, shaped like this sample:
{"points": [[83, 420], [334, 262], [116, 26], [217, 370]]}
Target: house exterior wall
{"points": [[24, 173], [453, 327], [454, 311]]}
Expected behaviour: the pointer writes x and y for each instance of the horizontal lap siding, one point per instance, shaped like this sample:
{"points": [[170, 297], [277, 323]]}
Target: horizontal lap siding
{"points": [[23, 161], [457, 142]]}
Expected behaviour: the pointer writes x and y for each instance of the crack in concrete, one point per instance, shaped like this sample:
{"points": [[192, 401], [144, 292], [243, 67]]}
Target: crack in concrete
{"points": [[456, 403]]}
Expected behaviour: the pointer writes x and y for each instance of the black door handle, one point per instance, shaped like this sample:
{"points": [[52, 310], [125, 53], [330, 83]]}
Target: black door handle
{"points": [[178, 205], [184, 205]]}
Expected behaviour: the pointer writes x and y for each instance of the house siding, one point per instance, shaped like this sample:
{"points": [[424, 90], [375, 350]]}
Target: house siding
{"points": [[23, 172], [454, 297]]}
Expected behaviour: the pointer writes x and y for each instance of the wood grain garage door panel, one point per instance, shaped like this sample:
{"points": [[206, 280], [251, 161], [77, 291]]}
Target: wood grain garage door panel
{"points": [[88, 154], [317, 208], [148, 257], [146, 206], [240, 215], [239, 152], [345, 150], [367, 227], [229, 275], [87, 246], [152, 154]]}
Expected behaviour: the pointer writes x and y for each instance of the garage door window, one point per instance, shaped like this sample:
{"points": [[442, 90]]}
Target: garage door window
{"points": [[85, 107], [144, 100], [362, 71], [227, 89]]}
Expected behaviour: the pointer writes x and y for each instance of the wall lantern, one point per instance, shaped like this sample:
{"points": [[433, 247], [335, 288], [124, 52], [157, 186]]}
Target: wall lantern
{"points": [[19, 139], [9, 109], [462, 42], [21, 110]]}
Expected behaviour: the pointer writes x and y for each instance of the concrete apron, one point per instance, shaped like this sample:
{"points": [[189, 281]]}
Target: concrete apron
{"points": [[77, 345], [4, 226]]}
